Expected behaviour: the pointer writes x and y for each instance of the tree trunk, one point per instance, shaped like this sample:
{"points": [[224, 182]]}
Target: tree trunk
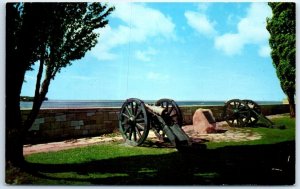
{"points": [[291, 100], [38, 99], [14, 129], [15, 73]]}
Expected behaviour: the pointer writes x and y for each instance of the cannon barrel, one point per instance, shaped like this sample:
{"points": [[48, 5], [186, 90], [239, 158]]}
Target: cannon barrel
{"points": [[155, 109]]}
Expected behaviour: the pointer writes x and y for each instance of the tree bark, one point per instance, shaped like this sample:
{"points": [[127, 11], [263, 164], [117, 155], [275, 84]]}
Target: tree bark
{"points": [[14, 130], [291, 100], [38, 100]]}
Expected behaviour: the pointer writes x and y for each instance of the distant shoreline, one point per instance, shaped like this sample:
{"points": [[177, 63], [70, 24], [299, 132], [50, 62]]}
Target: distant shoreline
{"points": [[119, 103]]}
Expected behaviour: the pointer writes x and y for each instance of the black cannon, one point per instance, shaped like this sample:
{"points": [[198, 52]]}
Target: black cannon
{"points": [[244, 113], [136, 118]]}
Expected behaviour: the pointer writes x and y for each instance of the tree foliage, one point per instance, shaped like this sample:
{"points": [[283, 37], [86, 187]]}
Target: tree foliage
{"points": [[282, 28], [51, 35]]}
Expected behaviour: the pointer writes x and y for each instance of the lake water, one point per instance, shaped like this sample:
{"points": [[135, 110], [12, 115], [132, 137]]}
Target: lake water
{"points": [[118, 103]]}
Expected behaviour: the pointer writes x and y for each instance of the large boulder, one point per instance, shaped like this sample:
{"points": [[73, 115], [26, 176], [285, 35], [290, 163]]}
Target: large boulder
{"points": [[203, 123]]}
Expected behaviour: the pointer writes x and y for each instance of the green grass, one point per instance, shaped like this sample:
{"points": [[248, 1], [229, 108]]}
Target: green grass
{"points": [[269, 135], [251, 162]]}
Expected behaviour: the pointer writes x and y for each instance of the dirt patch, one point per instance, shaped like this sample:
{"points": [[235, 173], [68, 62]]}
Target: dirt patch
{"points": [[68, 144], [228, 134]]}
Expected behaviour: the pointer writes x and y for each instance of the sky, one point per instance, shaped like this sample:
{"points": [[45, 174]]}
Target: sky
{"points": [[183, 51]]}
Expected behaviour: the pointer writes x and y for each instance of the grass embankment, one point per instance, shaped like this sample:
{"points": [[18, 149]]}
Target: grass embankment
{"points": [[270, 160]]}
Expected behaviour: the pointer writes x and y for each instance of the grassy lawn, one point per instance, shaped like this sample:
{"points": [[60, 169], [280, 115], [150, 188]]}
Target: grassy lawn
{"points": [[268, 161]]}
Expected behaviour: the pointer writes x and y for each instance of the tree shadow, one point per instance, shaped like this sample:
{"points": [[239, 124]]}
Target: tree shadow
{"points": [[232, 165]]}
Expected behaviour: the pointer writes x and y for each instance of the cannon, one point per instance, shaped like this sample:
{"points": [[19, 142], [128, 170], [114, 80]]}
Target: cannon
{"points": [[164, 118], [244, 113]]}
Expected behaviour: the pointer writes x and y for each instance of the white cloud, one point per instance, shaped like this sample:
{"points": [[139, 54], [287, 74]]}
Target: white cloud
{"points": [[230, 44], [251, 30], [139, 23], [157, 76], [145, 55], [264, 51], [200, 23]]}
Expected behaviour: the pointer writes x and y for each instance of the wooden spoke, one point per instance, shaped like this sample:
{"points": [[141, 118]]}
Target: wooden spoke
{"points": [[128, 111], [139, 113], [138, 132], [140, 126], [127, 116]]}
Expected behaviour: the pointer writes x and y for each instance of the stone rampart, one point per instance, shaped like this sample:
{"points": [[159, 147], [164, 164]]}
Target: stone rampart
{"points": [[63, 124]]}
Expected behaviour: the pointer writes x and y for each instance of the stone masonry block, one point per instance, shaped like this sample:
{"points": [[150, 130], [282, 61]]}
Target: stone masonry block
{"points": [[64, 124], [39, 120], [107, 123], [71, 117], [90, 114], [81, 116], [34, 127], [99, 113], [46, 126], [105, 115], [50, 119], [61, 118], [56, 126], [99, 119], [88, 127], [93, 132], [77, 123], [115, 124], [89, 122], [112, 116], [95, 127], [56, 132]]}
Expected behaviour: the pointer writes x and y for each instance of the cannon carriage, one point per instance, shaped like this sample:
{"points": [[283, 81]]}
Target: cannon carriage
{"points": [[244, 113], [164, 118]]}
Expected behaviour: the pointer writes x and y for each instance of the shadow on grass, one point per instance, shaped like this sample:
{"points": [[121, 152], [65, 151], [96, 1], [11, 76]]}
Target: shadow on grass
{"points": [[233, 165]]}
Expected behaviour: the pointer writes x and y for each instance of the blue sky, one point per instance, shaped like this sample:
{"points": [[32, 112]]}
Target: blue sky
{"points": [[183, 51]]}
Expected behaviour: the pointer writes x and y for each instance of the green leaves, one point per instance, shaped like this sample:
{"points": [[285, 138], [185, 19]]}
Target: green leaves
{"points": [[282, 28], [67, 30]]}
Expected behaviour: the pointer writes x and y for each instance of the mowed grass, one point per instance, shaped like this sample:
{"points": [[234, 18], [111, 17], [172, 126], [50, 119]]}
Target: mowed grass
{"points": [[268, 161], [269, 135]]}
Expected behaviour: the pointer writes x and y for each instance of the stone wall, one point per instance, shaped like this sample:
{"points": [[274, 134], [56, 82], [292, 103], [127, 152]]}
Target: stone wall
{"points": [[62, 124]]}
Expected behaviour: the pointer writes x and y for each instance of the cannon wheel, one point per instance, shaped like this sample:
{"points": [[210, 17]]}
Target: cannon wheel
{"points": [[254, 107], [172, 116], [133, 122], [173, 113], [236, 113]]}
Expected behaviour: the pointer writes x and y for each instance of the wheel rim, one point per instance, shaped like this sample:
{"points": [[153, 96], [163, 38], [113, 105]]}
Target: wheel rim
{"points": [[236, 113], [133, 122], [173, 113], [253, 119]]}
